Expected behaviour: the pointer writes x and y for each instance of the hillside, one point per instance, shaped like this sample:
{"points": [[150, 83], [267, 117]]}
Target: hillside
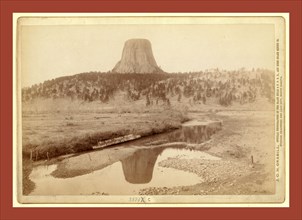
{"points": [[222, 87]]}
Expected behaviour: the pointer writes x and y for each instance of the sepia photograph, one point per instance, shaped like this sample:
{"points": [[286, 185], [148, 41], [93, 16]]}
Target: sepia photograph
{"points": [[171, 109]]}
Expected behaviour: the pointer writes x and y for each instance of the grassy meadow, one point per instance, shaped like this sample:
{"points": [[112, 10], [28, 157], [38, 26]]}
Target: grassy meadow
{"points": [[52, 128]]}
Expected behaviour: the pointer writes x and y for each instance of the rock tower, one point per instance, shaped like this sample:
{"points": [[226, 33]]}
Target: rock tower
{"points": [[137, 57]]}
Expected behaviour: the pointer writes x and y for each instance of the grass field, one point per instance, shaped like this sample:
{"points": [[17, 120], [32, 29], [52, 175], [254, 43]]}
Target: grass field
{"points": [[63, 127]]}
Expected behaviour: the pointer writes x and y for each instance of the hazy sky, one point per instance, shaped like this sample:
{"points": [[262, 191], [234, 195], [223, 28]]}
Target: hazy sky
{"points": [[52, 51]]}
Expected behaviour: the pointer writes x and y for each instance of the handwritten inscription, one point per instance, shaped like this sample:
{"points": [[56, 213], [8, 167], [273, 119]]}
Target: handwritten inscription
{"points": [[139, 199]]}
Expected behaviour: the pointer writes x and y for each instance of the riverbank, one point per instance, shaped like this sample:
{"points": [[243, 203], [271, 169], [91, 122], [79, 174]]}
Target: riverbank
{"points": [[48, 135], [246, 148]]}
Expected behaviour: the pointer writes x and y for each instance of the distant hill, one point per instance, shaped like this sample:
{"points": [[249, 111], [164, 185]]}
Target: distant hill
{"points": [[224, 87]]}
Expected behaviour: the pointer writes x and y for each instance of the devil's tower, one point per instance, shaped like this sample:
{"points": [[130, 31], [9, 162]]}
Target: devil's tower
{"points": [[137, 57]]}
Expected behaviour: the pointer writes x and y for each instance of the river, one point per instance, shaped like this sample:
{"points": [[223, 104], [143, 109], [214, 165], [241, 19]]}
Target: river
{"points": [[127, 168]]}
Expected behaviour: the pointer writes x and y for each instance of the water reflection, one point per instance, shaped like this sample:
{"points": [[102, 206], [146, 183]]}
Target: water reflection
{"points": [[137, 157], [192, 133], [110, 180], [131, 167], [138, 168], [134, 163], [195, 134]]}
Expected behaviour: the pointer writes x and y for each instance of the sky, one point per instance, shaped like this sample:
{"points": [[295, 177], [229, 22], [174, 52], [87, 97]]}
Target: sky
{"points": [[51, 51]]}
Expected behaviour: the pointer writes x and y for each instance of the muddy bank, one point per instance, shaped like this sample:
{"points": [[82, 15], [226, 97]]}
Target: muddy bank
{"points": [[246, 148], [218, 177], [28, 185]]}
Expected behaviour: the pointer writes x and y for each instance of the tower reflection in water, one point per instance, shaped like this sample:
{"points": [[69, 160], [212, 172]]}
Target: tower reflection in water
{"points": [[138, 168]]}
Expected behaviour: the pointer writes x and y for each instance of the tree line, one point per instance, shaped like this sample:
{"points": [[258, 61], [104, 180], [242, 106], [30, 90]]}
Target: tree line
{"points": [[225, 86]]}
